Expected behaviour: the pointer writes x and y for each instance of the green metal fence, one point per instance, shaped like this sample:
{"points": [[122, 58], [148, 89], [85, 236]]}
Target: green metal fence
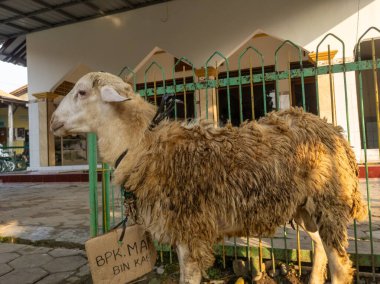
{"points": [[279, 247]]}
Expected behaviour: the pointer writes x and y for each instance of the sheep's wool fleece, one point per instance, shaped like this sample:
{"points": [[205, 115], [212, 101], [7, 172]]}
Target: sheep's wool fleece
{"points": [[195, 183]]}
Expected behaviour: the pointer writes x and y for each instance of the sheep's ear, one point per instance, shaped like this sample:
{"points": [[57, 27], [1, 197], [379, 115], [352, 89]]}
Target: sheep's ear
{"points": [[109, 94]]}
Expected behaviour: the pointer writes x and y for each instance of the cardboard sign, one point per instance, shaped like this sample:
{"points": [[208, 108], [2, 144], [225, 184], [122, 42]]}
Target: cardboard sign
{"points": [[111, 262]]}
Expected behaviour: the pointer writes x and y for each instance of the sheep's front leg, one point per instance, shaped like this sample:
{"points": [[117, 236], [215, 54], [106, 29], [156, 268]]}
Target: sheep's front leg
{"points": [[190, 271]]}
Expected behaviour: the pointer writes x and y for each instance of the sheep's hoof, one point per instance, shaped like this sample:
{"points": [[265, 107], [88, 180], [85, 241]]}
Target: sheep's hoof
{"points": [[205, 275], [257, 276], [160, 270], [274, 273], [240, 280], [284, 269], [216, 282], [240, 267]]}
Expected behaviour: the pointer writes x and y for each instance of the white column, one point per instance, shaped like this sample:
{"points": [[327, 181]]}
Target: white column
{"points": [[211, 112], [10, 125], [34, 136]]}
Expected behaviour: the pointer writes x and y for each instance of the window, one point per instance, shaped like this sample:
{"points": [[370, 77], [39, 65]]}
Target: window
{"points": [[369, 97], [310, 94], [71, 150], [258, 100], [310, 89]]}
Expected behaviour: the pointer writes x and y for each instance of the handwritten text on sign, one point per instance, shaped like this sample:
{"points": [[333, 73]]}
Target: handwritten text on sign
{"points": [[111, 262]]}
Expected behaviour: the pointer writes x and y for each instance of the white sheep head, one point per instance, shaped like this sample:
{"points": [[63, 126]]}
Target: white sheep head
{"points": [[91, 97]]}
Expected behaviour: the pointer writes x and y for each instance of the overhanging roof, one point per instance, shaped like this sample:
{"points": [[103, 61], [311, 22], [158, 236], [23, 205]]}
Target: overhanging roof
{"points": [[9, 98], [20, 17]]}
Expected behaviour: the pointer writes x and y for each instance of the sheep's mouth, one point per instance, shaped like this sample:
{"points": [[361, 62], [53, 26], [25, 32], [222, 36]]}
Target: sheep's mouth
{"points": [[55, 127]]}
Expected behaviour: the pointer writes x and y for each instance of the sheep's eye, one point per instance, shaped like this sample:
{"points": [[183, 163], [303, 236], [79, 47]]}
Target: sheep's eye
{"points": [[81, 93]]}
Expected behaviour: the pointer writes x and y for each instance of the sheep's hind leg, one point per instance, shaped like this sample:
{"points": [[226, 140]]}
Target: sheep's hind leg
{"points": [[318, 272], [189, 269], [340, 266]]}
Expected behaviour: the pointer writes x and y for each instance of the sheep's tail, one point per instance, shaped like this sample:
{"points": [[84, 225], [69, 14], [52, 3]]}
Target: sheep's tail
{"points": [[359, 206]]}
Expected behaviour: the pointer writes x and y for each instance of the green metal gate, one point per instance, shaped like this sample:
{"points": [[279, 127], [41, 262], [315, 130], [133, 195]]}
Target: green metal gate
{"points": [[367, 262]]}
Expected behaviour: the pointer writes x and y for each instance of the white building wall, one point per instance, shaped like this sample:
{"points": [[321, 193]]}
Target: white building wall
{"points": [[349, 30], [192, 28]]}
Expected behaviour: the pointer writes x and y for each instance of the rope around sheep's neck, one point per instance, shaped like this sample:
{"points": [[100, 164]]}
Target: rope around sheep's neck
{"points": [[168, 103]]}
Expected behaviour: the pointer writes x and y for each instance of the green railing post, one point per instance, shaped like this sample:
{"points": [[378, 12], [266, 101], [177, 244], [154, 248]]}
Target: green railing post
{"points": [[106, 181], [258, 53], [364, 139], [344, 76], [93, 179], [129, 71], [183, 86], [217, 83], [347, 119], [154, 63], [301, 69], [113, 205], [255, 260]]}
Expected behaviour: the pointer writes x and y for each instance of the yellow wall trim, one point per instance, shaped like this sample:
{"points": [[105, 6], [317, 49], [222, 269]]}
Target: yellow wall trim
{"points": [[322, 55], [46, 95], [211, 71], [260, 35]]}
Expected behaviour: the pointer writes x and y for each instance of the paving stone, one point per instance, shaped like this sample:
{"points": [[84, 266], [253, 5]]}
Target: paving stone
{"points": [[23, 276], [59, 252], [83, 253], [360, 234], [8, 256], [5, 247], [79, 236], [83, 271], [73, 279], [33, 233], [31, 260], [4, 268], [33, 250], [55, 278], [65, 263], [375, 234]]}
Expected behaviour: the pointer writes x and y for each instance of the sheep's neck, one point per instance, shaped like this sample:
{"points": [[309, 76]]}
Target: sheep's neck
{"points": [[125, 129]]}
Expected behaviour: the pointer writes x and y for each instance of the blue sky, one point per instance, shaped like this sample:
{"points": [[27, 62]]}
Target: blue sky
{"points": [[12, 76]]}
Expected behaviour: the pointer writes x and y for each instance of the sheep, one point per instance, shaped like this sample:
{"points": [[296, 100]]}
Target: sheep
{"points": [[195, 183]]}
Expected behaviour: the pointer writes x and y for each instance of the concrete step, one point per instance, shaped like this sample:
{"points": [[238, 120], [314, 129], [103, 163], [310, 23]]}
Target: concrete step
{"points": [[28, 176]]}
